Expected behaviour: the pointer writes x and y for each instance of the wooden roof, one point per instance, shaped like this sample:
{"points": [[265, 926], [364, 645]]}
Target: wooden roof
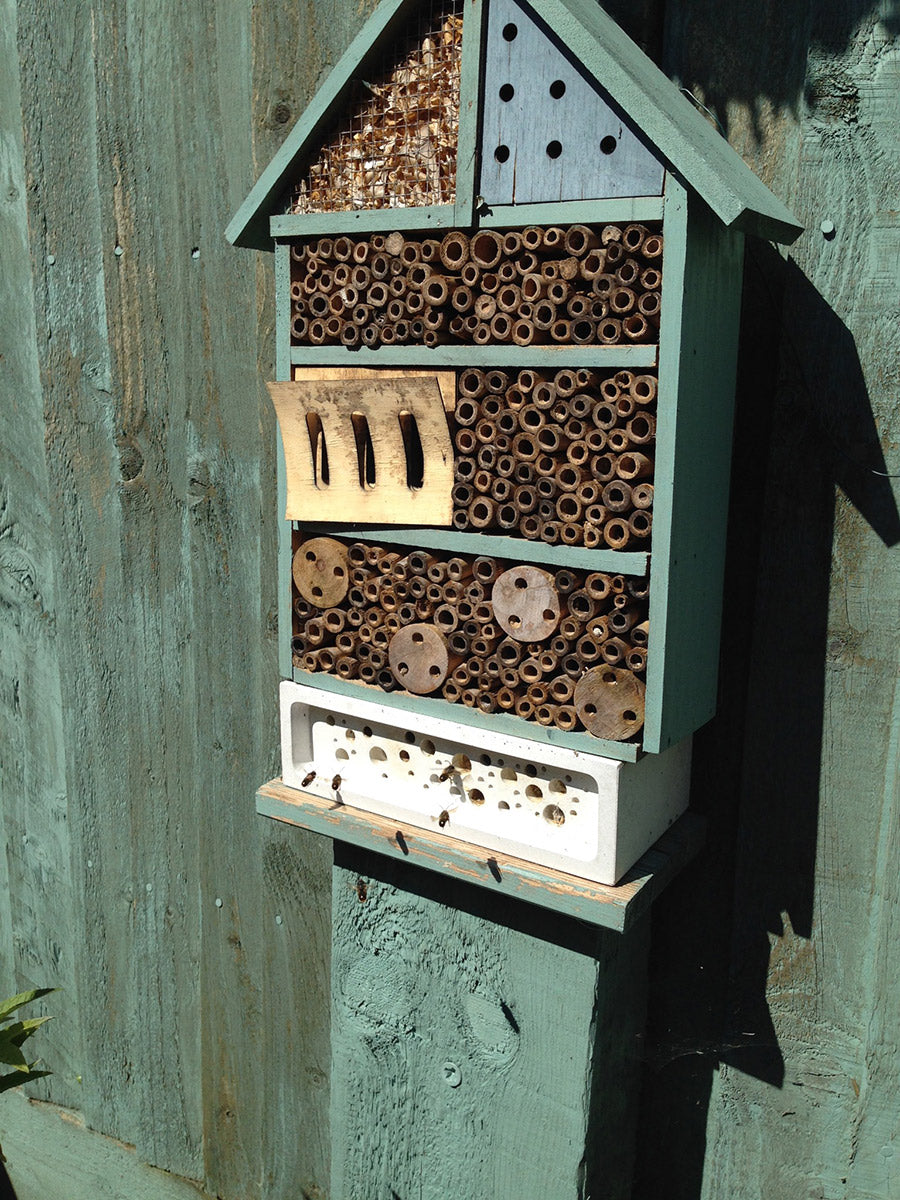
{"points": [[670, 122]]}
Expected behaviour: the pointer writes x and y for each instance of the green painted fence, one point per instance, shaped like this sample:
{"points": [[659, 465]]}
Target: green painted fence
{"points": [[192, 940]]}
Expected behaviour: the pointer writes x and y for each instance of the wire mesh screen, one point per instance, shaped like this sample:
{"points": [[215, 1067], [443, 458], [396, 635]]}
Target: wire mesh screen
{"points": [[397, 145]]}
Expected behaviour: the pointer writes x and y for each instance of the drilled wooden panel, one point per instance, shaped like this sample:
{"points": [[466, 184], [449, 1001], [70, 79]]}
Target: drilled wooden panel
{"points": [[549, 131], [349, 493]]}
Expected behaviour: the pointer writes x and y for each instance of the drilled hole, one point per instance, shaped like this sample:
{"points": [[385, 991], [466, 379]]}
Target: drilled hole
{"points": [[510, 32], [412, 448], [507, 92], [554, 149], [628, 715], [341, 753], [533, 792], [404, 756], [557, 89], [502, 804], [318, 449], [377, 754], [501, 154], [554, 815], [476, 796], [365, 454], [608, 144]]}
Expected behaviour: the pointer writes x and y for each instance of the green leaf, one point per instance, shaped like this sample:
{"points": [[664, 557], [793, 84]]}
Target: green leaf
{"points": [[21, 1031], [17, 1078], [14, 1002], [11, 1054]]}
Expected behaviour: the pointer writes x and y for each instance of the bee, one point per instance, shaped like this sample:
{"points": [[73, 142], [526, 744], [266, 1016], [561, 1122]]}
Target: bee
{"points": [[362, 890], [444, 819], [446, 773], [307, 779], [336, 783]]}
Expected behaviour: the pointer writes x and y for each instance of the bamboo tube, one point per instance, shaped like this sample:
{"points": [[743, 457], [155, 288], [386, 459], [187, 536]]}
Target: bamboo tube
{"points": [[643, 389], [602, 285], [451, 691], [579, 239], [486, 249], [565, 383], [640, 523], [471, 277], [506, 699], [526, 263], [634, 466], [609, 331], [569, 508], [462, 298], [526, 333], [465, 441], [568, 476], [490, 282], [454, 250], [589, 492], [528, 380], [485, 307], [636, 328], [501, 327], [642, 495], [622, 301], [546, 486], [496, 382], [617, 496], [652, 246], [462, 674], [649, 305], [616, 533], [617, 442], [641, 429], [524, 448], [628, 272], [550, 532], [532, 238], [481, 512], [530, 527], [592, 265]]}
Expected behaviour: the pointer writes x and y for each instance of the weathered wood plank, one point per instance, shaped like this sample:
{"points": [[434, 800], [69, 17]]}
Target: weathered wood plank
{"points": [[474, 1050], [52, 1156], [791, 984], [38, 932], [616, 908]]}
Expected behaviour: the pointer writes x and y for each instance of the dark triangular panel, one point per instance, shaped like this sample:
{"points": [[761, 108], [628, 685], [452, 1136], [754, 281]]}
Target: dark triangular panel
{"points": [[549, 131]]}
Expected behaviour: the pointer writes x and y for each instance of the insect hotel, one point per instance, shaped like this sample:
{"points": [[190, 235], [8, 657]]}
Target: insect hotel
{"points": [[508, 258]]}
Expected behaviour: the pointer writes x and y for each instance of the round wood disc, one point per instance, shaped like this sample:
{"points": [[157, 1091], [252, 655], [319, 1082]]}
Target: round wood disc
{"points": [[419, 658], [321, 572], [526, 603], [610, 702]]}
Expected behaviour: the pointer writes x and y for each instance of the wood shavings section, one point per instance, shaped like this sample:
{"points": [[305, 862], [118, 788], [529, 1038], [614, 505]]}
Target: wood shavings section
{"points": [[398, 148]]}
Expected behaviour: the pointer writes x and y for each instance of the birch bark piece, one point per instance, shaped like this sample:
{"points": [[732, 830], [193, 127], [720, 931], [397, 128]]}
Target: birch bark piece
{"points": [[321, 573], [610, 703], [526, 603], [419, 658]]}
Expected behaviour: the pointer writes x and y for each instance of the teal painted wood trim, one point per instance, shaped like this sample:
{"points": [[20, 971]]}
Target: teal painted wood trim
{"points": [[698, 360], [283, 375], [249, 226], [374, 220], [615, 908], [282, 311], [474, 16], [668, 120], [570, 212], [499, 721], [515, 549], [549, 357], [675, 233]]}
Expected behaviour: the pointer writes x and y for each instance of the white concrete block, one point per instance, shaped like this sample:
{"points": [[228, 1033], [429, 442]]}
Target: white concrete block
{"points": [[581, 813]]}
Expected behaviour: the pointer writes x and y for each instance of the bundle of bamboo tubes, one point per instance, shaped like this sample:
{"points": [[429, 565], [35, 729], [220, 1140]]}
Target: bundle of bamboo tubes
{"points": [[563, 648], [564, 457], [574, 286], [398, 149]]}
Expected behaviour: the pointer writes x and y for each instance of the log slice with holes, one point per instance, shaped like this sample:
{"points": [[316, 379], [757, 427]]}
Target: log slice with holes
{"points": [[419, 658], [610, 703], [321, 572], [526, 603]]}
